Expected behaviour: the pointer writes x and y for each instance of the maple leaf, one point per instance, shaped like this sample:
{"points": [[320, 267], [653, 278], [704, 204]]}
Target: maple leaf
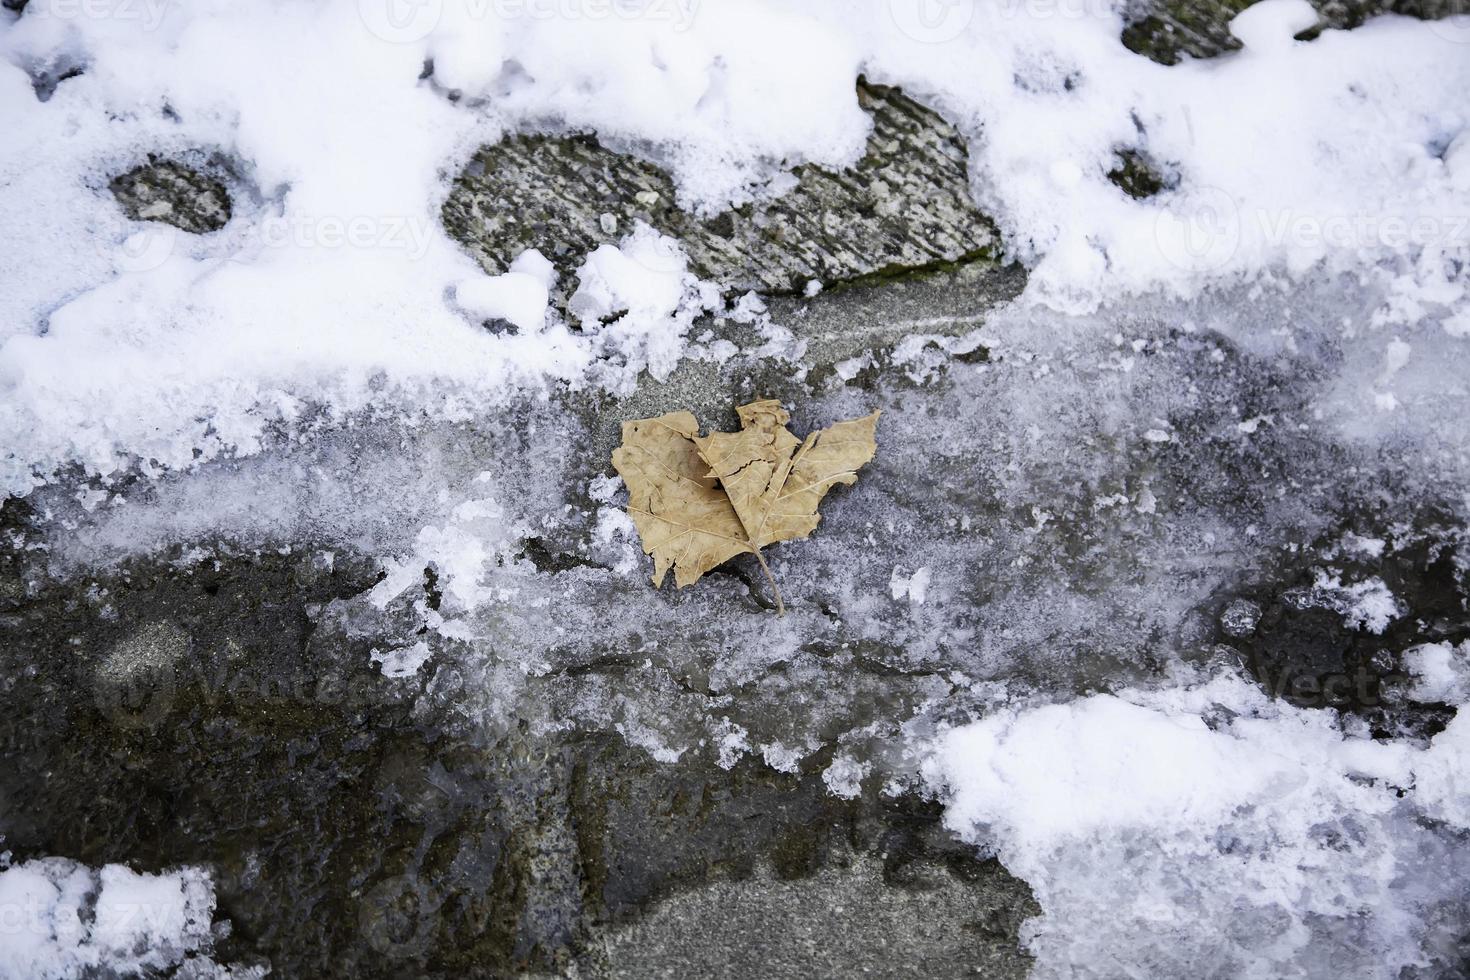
{"points": [[699, 501]]}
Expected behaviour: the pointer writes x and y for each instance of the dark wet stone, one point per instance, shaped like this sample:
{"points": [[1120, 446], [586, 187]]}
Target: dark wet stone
{"points": [[224, 713], [905, 206], [1303, 649], [1168, 30], [830, 924], [1138, 176], [174, 193]]}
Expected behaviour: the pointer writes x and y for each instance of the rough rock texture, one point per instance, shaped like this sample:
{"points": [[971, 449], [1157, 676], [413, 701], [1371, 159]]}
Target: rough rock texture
{"points": [[227, 712], [840, 922], [857, 328], [1139, 176], [501, 812], [1167, 30], [906, 205], [1298, 644], [493, 815], [174, 193], [217, 714]]}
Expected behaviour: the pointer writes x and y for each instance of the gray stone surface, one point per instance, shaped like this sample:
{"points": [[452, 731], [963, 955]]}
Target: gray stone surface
{"points": [[865, 322], [357, 827], [843, 921], [1239, 618], [226, 713], [1168, 30], [905, 206], [492, 816], [176, 194]]}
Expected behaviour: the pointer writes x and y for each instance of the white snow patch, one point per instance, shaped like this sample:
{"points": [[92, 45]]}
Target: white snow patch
{"points": [[1366, 605], [334, 285], [515, 296], [1441, 672], [401, 661], [63, 920], [914, 587], [844, 777], [1213, 825]]}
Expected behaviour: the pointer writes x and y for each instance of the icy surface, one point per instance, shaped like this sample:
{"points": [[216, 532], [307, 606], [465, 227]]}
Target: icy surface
{"points": [[333, 284], [1042, 545], [1258, 370]]}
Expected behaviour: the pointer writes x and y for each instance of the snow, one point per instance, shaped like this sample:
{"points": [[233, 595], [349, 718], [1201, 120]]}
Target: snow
{"points": [[1267, 29], [519, 296], [63, 920], [646, 278], [844, 777], [1191, 386], [913, 587], [1208, 830], [1366, 605], [1440, 672], [334, 284]]}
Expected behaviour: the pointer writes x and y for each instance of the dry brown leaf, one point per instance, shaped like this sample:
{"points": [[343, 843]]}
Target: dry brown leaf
{"points": [[698, 501]]}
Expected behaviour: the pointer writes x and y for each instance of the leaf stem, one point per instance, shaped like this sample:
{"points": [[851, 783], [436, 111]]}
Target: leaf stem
{"points": [[780, 606]]}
